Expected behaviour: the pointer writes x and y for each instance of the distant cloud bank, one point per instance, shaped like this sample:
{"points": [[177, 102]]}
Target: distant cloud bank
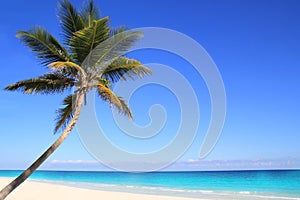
{"points": [[188, 165]]}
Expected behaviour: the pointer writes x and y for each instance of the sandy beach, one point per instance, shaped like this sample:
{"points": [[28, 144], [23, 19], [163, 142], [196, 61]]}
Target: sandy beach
{"points": [[31, 190]]}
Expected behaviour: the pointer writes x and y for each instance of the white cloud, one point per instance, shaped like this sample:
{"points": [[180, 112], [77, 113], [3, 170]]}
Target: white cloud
{"points": [[191, 160], [192, 164], [73, 162], [188, 165]]}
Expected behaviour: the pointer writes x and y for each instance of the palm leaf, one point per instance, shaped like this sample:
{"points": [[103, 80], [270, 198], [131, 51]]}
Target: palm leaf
{"points": [[89, 13], [70, 20], [65, 113], [103, 81], [117, 30], [85, 40], [68, 68], [107, 95], [113, 47], [46, 84], [123, 68], [44, 45]]}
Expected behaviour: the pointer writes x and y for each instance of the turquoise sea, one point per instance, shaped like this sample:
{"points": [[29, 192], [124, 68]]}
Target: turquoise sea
{"points": [[268, 184]]}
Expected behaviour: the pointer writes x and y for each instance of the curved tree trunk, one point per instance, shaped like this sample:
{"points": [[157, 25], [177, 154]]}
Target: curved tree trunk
{"points": [[21, 178]]}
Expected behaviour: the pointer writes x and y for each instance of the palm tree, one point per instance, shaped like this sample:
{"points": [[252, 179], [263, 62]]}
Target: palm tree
{"points": [[89, 59]]}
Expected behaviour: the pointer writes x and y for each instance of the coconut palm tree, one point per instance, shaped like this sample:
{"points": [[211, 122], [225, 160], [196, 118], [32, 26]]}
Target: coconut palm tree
{"points": [[90, 58]]}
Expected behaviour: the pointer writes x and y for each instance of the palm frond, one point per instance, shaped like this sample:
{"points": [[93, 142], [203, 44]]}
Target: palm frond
{"points": [[117, 102], [125, 110], [68, 68], [123, 68], [45, 84], [104, 82], [65, 113], [85, 40], [113, 47], [89, 13], [70, 20], [44, 45], [117, 30]]}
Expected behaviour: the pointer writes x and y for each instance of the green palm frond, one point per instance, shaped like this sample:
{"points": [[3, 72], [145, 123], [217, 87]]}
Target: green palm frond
{"points": [[44, 45], [125, 110], [117, 30], [89, 13], [113, 47], [107, 95], [65, 113], [70, 19], [85, 40], [103, 81], [123, 68], [46, 84]]}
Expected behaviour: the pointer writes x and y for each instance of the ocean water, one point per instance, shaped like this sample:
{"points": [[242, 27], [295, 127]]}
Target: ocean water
{"points": [[268, 184]]}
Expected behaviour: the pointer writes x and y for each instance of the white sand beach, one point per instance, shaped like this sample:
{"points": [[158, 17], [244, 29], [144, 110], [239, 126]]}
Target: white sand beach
{"points": [[31, 190]]}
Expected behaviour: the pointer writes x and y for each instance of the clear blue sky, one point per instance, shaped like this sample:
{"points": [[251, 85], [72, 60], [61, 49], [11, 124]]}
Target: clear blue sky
{"points": [[255, 44]]}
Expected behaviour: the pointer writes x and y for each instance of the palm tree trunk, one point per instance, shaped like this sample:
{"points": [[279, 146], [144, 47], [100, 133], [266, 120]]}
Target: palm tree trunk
{"points": [[21, 178]]}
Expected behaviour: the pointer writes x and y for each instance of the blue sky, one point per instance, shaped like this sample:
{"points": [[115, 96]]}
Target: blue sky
{"points": [[255, 44]]}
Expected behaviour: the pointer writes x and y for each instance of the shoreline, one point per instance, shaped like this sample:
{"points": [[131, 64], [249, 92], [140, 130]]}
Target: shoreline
{"points": [[36, 190], [51, 189]]}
